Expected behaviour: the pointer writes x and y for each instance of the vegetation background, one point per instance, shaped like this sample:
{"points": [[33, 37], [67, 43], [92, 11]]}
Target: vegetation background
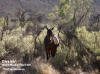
{"points": [[76, 22]]}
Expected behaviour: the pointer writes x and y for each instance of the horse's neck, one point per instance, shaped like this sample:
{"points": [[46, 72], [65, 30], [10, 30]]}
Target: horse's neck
{"points": [[55, 39]]}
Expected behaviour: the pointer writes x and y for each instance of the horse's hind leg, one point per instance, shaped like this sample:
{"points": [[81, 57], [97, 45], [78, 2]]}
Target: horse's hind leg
{"points": [[47, 56]]}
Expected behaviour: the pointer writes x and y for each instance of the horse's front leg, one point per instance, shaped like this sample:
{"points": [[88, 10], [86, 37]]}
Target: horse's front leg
{"points": [[53, 52], [47, 54]]}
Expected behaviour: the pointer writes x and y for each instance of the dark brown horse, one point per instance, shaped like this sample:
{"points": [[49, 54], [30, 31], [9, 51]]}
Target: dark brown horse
{"points": [[51, 42]]}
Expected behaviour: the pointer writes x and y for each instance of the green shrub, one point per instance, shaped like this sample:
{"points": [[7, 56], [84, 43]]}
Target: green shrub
{"points": [[2, 21], [51, 16], [28, 44], [15, 41], [89, 39], [2, 49]]}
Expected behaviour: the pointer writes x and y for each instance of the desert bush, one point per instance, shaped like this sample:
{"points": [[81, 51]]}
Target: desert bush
{"points": [[15, 41], [28, 44], [12, 39], [51, 16], [89, 39], [0, 33], [2, 22], [40, 38], [2, 49]]}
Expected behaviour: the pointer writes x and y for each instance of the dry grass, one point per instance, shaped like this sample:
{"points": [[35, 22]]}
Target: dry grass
{"points": [[43, 67]]}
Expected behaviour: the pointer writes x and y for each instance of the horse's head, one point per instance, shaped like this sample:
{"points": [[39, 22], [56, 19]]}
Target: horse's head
{"points": [[50, 34], [49, 31]]}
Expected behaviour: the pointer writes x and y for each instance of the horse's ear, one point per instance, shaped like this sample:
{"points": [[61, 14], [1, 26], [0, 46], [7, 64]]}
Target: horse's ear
{"points": [[52, 28], [46, 27]]}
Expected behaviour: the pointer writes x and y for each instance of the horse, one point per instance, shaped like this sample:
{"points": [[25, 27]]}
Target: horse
{"points": [[51, 42]]}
